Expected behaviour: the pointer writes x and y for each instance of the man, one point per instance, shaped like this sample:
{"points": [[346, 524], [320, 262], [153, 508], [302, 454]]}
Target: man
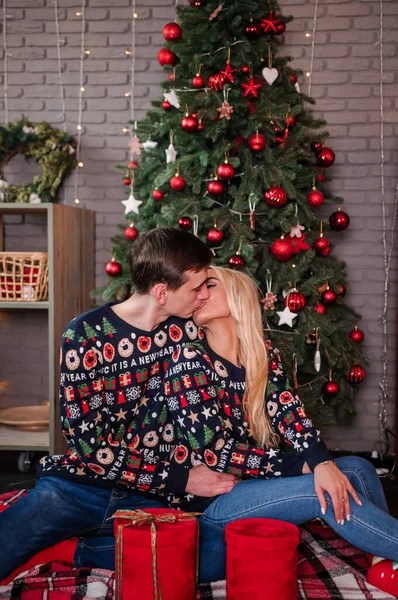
{"points": [[119, 441]]}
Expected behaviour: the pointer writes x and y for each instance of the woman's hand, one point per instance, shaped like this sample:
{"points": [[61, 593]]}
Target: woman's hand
{"points": [[328, 478]]}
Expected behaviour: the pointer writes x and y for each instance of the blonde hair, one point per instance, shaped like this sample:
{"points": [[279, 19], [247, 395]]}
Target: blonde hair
{"points": [[243, 299]]}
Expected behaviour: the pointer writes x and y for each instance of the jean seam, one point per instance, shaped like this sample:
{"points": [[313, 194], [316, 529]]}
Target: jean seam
{"points": [[376, 531], [366, 491]]}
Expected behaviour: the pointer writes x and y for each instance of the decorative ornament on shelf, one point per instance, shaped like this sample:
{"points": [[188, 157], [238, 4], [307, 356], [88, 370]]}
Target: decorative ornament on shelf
{"points": [[167, 57], [269, 73], [275, 196], [185, 223], [356, 374], [215, 187], [225, 109], [177, 182], [113, 268], [215, 236], [131, 233], [172, 98], [271, 25], [357, 335], [157, 194], [325, 158], [328, 296], [339, 220], [253, 29], [286, 316], [315, 198], [226, 170], [189, 122], [236, 261], [257, 142], [172, 32], [171, 152], [282, 249]]}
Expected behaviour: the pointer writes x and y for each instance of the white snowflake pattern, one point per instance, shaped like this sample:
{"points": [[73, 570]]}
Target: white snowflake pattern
{"points": [[211, 391], [154, 383], [307, 423], [193, 397], [253, 462], [74, 411], [110, 399], [95, 401], [237, 413], [145, 479], [289, 434], [173, 403], [133, 393]]}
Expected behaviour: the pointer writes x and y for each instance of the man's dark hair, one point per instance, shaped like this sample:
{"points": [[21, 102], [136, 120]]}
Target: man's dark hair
{"points": [[164, 255]]}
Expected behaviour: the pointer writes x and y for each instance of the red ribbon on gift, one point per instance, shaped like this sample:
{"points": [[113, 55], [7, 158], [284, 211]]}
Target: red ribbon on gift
{"points": [[138, 518]]}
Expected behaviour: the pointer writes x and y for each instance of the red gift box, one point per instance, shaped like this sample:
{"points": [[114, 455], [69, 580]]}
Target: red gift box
{"points": [[261, 559], [156, 554]]}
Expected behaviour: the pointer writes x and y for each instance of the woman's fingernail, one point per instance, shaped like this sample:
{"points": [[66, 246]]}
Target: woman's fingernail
{"points": [[342, 522], [360, 503], [323, 511], [348, 517]]}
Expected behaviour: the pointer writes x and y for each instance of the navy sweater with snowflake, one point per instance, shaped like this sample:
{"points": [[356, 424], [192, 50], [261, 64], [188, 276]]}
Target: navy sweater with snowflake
{"points": [[113, 413]]}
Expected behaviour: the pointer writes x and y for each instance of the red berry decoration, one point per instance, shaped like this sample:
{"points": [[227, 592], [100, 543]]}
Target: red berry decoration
{"points": [[257, 142], [328, 297], [236, 261], [282, 249], [339, 220], [189, 123], [127, 181], [157, 194], [166, 105], [342, 290], [315, 198], [275, 196], [322, 246], [215, 236], [356, 374], [316, 147], [172, 32], [253, 30], [320, 309], [290, 121], [198, 81], [225, 171], [295, 301], [293, 78], [185, 223], [131, 233], [133, 164], [215, 187], [357, 335], [167, 57], [113, 268], [330, 389], [325, 157]]}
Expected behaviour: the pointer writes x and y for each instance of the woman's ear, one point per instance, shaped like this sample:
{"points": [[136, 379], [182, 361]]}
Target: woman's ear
{"points": [[160, 293]]}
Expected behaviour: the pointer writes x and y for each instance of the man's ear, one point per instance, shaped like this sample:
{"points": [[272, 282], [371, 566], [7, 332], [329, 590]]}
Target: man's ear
{"points": [[160, 293]]}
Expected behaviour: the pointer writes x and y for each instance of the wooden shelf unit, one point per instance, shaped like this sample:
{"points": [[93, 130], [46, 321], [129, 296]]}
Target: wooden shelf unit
{"points": [[70, 247]]}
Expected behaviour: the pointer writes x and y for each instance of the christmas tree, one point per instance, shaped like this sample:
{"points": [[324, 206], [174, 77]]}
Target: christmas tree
{"points": [[234, 154]]}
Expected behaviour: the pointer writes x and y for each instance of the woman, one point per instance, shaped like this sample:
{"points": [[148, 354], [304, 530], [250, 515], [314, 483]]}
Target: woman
{"points": [[215, 392]]}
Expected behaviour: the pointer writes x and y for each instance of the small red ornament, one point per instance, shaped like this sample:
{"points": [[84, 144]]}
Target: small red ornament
{"points": [[257, 142], [236, 261], [293, 78], [131, 233], [157, 194], [320, 309], [133, 164], [295, 301], [172, 32], [282, 249], [321, 246], [280, 28], [113, 268], [167, 57], [177, 183], [200, 125], [342, 290], [198, 81], [215, 187], [275, 196], [330, 389], [215, 82], [271, 25], [185, 223], [225, 171], [197, 3], [245, 69], [127, 181], [253, 30], [227, 74], [166, 105], [321, 177], [251, 88], [189, 123], [317, 147], [357, 335], [290, 121], [172, 76], [356, 374], [339, 220], [215, 236], [328, 297], [315, 198], [325, 157]]}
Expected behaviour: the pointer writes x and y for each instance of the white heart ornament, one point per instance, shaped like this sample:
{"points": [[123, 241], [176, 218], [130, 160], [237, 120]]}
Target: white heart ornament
{"points": [[270, 75]]}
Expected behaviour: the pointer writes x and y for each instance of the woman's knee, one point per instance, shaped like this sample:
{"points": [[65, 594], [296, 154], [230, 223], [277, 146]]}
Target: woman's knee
{"points": [[356, 463]]}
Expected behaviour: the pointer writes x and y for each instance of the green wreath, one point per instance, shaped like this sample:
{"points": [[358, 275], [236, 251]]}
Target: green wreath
{"points": [[54, 151]]}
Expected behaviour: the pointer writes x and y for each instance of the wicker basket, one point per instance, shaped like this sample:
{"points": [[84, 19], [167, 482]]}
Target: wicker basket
{"points": [[23, 276]]}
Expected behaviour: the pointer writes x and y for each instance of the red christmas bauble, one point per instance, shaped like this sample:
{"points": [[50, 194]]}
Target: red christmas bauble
{"points": [[356, 374], [198, 81], [330, 388], [339, 220], [200, 125], [257, 142], [320, 309], [295, 301], [133, 164], [315, 198], [185, 223], [157, 194], [321, 244], [317, 147], [280, 28], [172, 76], [172, 32], [177, 183], [293, 78], [328, 297], [342, 290], [131, 233], [290, 121], [127, 181], [197, 3], [215, 187], [215, 236], [253, 30], [215, 82], [113, 268], [167, 57], [282, 249], [225, 171], [321, 177], [189, 123], [357, 335], [275, 196], [166, 105], [325, 157], [236, 261], [245, 69]]}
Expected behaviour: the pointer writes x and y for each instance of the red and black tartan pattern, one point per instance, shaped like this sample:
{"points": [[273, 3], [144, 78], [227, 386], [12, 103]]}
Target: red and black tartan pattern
{"points": [[329, 568]]}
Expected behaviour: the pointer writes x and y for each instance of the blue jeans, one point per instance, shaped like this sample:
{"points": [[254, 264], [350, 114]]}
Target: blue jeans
{"points": [[58, 509]]}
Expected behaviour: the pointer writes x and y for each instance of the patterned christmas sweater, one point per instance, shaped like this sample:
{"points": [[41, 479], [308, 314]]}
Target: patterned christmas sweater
{"points": [[204, 394], [113, 413]]}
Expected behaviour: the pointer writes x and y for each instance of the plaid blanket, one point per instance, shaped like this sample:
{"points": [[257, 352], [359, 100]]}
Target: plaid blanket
{"points": [[329, 569]]}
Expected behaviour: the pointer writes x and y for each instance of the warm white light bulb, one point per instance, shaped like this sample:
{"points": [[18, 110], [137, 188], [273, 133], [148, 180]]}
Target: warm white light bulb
{"points": [[79, 127], [77, 201], [80, 164], [87, 52], [308, 74], [127, 94], [125, 129], [307, 34], [78, 14], [127, 52], [82, 89], [135, 15]]}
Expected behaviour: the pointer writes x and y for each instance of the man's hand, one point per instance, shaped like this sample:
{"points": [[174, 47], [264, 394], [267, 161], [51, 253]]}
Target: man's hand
{"points": [[329, 478], [202, 481]]}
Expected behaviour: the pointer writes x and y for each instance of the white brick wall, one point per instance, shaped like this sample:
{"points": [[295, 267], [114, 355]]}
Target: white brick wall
{"points": [[345, 85]]}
